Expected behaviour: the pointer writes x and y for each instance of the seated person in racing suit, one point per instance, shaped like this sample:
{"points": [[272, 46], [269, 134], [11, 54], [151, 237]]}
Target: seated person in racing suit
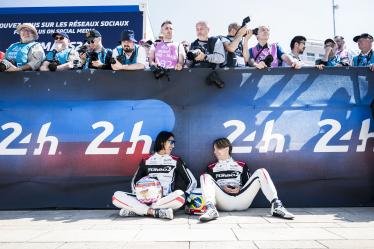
{"points": [[171, 172], [228, 185]]}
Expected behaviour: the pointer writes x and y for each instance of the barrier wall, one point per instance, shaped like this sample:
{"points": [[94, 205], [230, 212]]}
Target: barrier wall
{"points": [[70, 139]]}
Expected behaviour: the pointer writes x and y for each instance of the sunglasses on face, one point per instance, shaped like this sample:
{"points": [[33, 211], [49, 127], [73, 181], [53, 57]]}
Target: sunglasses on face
{"points": [[92, 41], [59, 38], [171, 142]]}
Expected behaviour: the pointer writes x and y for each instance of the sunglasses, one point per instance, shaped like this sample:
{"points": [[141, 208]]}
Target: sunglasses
{"points": [[171, 142], [59, 38], [92, 41]]}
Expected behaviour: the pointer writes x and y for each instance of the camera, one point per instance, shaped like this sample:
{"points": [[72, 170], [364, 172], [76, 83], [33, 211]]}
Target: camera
{"points": [[4, 65], [159, 72], [82, 49], [75, 64], [51, 58], [119, 58], [245, 21], [320, 62], [268, 60], [213, 78], [192, 54], [93, 57]]}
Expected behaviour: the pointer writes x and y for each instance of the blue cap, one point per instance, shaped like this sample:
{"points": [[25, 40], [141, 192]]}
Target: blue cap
{"points": [[60, 33], [128, 35]]}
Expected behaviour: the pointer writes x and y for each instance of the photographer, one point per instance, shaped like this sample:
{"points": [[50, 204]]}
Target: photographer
{"points": [[330, 59], [265, 55], [206, 52], [365, 58], [26, 54], [97, 56], [297, 48], [236, 51], [61, 57], [128, 56], [166, 53]]}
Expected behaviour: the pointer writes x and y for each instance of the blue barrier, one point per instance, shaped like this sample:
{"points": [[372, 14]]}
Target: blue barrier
{"points": [[70, 139]]}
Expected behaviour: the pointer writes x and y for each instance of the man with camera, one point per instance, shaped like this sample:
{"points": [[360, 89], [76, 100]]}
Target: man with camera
{"points": [[329, 59], [365, 58], [128, 56], [24, 55], [61, 57], [166, 53], [205, 52], [266, 54], [97, 56], [236, 50], [297, 48], [229, 186]]}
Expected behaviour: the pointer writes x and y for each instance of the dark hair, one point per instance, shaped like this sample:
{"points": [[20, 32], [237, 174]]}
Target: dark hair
{"points": [[161, 139], [222, 143], [298, 39], [166, 22], [328, 41]]}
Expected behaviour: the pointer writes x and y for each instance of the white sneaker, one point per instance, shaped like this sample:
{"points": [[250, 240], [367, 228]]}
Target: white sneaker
{"points": [[164, 213], [127, 213], [211, 213], [278, 210]]}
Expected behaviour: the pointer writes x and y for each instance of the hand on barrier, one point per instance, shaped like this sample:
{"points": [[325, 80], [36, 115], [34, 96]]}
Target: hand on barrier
{"points": [[260, 65], [200, 57]]}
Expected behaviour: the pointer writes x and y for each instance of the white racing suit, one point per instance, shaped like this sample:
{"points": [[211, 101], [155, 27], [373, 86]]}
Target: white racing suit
{"points": [[174, 177], [235, 173]]}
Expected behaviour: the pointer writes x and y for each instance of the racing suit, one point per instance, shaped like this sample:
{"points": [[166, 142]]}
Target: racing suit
{"points": [[236, 174], [174, 177]]}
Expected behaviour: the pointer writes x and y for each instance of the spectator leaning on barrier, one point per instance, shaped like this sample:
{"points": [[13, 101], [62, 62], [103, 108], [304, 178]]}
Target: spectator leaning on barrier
{"points": [[297, 48], [61, 57], [365, 58], [96, 55], [345, 56], [128, 56], [330, 59], [146, 44], [26, 54], [166, 53], [206, 52], [236, 50], [265, 54]]}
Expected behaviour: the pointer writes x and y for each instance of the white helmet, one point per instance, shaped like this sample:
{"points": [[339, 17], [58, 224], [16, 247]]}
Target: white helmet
{"points": [[148, 190]]}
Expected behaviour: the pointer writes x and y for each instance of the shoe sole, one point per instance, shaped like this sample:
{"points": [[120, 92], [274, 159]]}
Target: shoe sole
{"points": [[283, 217]]}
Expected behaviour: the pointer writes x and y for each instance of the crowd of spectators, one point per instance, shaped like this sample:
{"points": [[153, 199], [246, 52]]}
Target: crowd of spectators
{"points": [[165, 53]]}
